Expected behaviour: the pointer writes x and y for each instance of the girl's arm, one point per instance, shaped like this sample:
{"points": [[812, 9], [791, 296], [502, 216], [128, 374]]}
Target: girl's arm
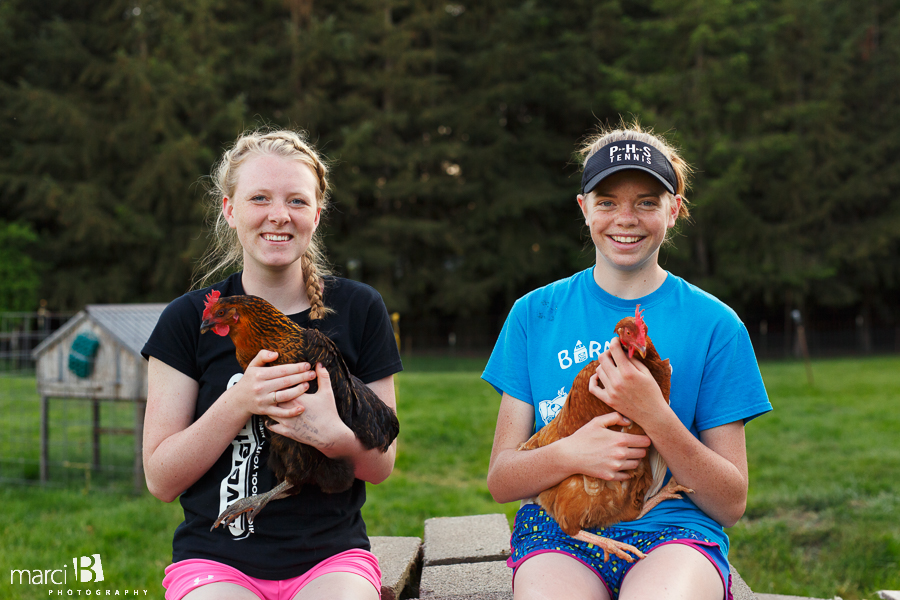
{"points": [[177, 449], [715, 466], [593, 450], [319, 425]]}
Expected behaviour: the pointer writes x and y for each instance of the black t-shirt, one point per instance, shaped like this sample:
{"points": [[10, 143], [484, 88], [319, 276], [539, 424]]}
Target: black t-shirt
{"points": [[292, 535]]}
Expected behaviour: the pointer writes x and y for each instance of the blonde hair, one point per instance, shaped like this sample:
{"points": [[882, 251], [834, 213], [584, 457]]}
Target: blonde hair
{"points": [[226, 252], [635, 132]]}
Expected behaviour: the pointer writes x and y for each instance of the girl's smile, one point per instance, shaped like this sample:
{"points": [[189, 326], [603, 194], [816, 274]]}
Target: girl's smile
{"points": [[622, 239]]}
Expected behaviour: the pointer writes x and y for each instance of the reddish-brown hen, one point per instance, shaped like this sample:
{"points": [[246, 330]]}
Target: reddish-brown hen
{"points": [[253, 325], [580, 502]]}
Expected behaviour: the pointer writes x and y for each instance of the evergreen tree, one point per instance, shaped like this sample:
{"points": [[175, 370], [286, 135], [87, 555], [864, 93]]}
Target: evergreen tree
{"points": [[452, 130], [108, 106], [18, 272]]}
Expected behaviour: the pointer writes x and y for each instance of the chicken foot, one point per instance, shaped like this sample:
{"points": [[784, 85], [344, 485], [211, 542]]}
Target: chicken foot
{"points": [[669, 492], [620, 549], [252, 503]]}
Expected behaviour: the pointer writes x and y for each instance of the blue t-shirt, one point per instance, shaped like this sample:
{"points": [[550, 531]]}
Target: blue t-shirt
{"points": [[554, 331]]}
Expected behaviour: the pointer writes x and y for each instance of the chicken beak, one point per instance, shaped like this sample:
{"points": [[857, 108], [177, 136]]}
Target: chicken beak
{"points": [[205, 326], [642, 350]]}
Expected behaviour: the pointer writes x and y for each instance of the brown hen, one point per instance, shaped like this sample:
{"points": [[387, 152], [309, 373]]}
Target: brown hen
{"points": [[580, 502], [253, 325]]}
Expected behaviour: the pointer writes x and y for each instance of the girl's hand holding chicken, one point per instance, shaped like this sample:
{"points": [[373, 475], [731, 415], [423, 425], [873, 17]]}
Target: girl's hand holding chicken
{"points": [[597, 451], [627, 386], [313, 417], [271, 391]]}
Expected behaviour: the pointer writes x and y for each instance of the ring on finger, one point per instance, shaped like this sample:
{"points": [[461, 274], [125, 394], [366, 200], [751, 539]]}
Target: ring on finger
{"points": [[275, 397]]}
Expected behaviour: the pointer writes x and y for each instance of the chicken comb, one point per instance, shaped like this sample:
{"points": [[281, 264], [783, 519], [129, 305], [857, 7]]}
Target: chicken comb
{"points": [[641, 326], [211, 299]]}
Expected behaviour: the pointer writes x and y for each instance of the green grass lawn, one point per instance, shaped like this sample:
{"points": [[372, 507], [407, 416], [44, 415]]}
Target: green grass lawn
{"points": [[821, 521], [823, 516]]}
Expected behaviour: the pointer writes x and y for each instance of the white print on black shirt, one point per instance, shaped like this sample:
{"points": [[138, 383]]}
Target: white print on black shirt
{"points": [[581, 353], [243, 477]]}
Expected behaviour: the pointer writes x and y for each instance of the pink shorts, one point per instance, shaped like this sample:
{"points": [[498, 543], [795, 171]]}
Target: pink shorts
{"points": [[187, 575]]}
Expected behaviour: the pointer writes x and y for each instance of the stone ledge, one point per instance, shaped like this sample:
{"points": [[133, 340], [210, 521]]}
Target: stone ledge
{"points": [[479, 596], [477, 538], [467, 579], [780, 597], [399, 559], [739, 588]]}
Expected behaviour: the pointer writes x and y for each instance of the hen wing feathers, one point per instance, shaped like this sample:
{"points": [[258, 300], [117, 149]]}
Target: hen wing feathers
{"points": [[373, 422]]}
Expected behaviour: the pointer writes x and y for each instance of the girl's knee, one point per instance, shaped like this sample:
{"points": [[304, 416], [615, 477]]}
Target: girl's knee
{"points": [[674, 571], [553, 575], [338, 586]]}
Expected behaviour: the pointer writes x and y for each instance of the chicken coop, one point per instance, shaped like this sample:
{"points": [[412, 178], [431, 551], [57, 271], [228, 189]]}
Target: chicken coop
{"points": [[92, 383]]}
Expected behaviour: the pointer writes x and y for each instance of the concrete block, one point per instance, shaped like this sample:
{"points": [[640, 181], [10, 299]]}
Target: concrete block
{"points": [[479, 596], [739, 588], [398, 558], [477, 538], [780, 597], [479, 579]]}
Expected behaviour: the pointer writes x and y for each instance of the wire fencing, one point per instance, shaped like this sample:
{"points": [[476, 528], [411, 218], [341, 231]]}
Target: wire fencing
{"points": [[86, 443], [21, 333]]}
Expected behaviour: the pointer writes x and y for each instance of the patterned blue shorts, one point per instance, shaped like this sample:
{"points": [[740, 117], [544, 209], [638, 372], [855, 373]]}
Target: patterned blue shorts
{"points": [[537, 532]]}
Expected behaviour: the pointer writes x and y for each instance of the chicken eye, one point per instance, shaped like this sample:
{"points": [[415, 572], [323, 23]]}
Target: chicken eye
{"points": [[220, 313]]}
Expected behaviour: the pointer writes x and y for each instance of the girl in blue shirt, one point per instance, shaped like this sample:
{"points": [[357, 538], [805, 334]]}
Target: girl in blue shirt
{"points": [[632, 194]]}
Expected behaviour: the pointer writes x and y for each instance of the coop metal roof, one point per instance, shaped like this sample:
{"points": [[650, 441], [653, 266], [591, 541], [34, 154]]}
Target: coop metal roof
{"points": [[129, 324]]}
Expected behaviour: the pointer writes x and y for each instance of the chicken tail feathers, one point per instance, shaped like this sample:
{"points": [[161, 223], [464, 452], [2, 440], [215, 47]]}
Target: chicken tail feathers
{"points": [[374, 422], [337, 478], [658, 468]]}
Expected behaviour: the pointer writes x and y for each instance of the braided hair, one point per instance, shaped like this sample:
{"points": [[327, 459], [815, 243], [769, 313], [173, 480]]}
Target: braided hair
{"points": [[225, 252]]}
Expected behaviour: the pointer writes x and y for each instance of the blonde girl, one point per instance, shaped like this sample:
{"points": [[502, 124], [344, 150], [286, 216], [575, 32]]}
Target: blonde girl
{"points": [[205, 433]]}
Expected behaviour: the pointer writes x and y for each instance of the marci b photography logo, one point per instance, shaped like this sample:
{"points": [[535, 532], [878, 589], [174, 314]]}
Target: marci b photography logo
{"points": [[90, 570], [84, 570]]}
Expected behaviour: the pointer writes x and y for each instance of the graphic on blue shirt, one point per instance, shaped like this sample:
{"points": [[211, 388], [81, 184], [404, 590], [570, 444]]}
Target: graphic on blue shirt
{"points": [[581, 353], [550, 408]]}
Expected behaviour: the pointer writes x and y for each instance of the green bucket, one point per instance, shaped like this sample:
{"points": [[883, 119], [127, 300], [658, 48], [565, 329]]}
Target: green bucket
{"points": [[83, 353]]}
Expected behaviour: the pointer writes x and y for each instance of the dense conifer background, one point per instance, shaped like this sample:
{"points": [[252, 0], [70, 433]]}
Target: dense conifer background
{"points": [[452, 129]]}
